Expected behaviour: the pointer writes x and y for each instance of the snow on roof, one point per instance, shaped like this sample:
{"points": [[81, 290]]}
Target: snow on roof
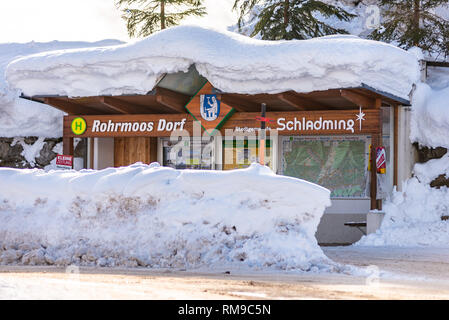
{"points": [[231, 62], [20, 117]]}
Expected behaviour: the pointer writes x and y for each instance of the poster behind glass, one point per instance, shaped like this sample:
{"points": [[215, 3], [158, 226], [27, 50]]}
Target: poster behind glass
{"points": [[336, 163], [188, 153]]}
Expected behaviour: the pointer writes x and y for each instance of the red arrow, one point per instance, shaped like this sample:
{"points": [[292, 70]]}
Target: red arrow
{"points": [[262, 119]]}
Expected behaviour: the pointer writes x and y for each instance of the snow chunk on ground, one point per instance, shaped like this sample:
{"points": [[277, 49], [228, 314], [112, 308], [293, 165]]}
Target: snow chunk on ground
{"points": [[231, 62], [154, 216], [432, 169], [413, 218]]}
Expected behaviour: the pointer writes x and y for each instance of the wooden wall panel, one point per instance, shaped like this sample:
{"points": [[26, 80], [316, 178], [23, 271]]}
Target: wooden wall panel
{"points": [[134, 149]]}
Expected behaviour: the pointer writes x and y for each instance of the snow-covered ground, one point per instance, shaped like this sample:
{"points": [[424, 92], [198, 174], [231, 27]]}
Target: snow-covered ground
{"points": [[396, 273], [161, 217]]}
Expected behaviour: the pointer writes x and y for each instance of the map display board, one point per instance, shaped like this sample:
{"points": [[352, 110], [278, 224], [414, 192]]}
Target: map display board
{"points": [[336, 163]]}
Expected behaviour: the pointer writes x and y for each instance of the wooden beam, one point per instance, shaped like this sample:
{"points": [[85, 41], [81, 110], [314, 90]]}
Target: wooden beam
{"points": [[357, 99], [70, 107], [173, 100], [239, 104], [437, 64], [119, 105], [300, 101], [378, 105]]}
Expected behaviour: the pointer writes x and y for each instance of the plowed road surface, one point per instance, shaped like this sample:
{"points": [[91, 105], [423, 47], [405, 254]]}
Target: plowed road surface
{"points": [[418, 273]]}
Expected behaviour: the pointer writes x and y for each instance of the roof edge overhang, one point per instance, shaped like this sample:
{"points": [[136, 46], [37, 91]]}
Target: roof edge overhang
{"points": [[389, 96]]}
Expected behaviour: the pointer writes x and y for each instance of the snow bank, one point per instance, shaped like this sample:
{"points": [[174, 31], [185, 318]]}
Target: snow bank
{"points": [[160, 217], [413, 217], [20, 117], [231, 62]]}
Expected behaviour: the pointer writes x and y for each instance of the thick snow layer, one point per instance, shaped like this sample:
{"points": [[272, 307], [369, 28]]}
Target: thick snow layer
{"points": [[160, 217], [231, 62], [20, 117], [413, 218], [429, 171], [430, 119]]}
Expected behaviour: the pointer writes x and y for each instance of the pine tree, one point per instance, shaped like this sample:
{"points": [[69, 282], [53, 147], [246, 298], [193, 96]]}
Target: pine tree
{"points": [[144, 17], [290, 19], [414, 23]]}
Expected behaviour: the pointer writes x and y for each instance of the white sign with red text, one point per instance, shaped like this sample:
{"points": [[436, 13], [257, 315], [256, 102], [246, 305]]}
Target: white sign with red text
{"points": [[64, 162]]}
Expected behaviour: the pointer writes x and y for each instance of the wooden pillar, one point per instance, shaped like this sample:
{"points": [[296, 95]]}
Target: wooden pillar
{"points": [[92, 151], [376, 141], [67, 142], [395, 144], [67, 146], [373, 173], [153, 149]]}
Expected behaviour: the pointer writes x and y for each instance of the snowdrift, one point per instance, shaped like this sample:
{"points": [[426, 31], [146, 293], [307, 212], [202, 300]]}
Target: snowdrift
{"points": [[413, 218], [231, 62], [159, 217]]}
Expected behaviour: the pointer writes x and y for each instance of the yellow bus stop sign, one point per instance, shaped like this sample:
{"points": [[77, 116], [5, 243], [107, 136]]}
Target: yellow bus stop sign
{"points": [[78, 126]]}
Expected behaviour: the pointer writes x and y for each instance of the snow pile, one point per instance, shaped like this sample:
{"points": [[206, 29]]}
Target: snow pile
{"points": [[231, 62], [160, 217], [413, 218], [20, 117]]}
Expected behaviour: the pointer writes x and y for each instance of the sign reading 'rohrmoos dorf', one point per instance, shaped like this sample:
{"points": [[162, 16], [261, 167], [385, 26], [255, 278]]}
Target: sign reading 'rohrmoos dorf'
{"points": [[343, 122]]}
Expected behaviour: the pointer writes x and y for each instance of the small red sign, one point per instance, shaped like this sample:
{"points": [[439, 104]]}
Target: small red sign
{"points": [[65, 162], [262, 119], [381, 160]]}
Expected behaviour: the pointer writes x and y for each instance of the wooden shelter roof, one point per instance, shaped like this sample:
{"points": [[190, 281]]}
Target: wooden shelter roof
{"points": [[166, 101]]}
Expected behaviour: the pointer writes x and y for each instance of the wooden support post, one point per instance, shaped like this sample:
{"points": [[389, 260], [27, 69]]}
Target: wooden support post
{"points": [[262, 140], [153, 149], [376, 141], [396, 144], [67, 146], [92, 151], [373, 173]]}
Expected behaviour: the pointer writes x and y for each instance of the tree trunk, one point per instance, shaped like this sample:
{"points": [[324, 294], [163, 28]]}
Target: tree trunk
{"points": [[416, 20], [286, 15], [162, 14]]}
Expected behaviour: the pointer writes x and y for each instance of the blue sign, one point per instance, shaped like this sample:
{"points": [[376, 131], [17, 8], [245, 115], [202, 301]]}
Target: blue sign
{"points": [[209, 107]]}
